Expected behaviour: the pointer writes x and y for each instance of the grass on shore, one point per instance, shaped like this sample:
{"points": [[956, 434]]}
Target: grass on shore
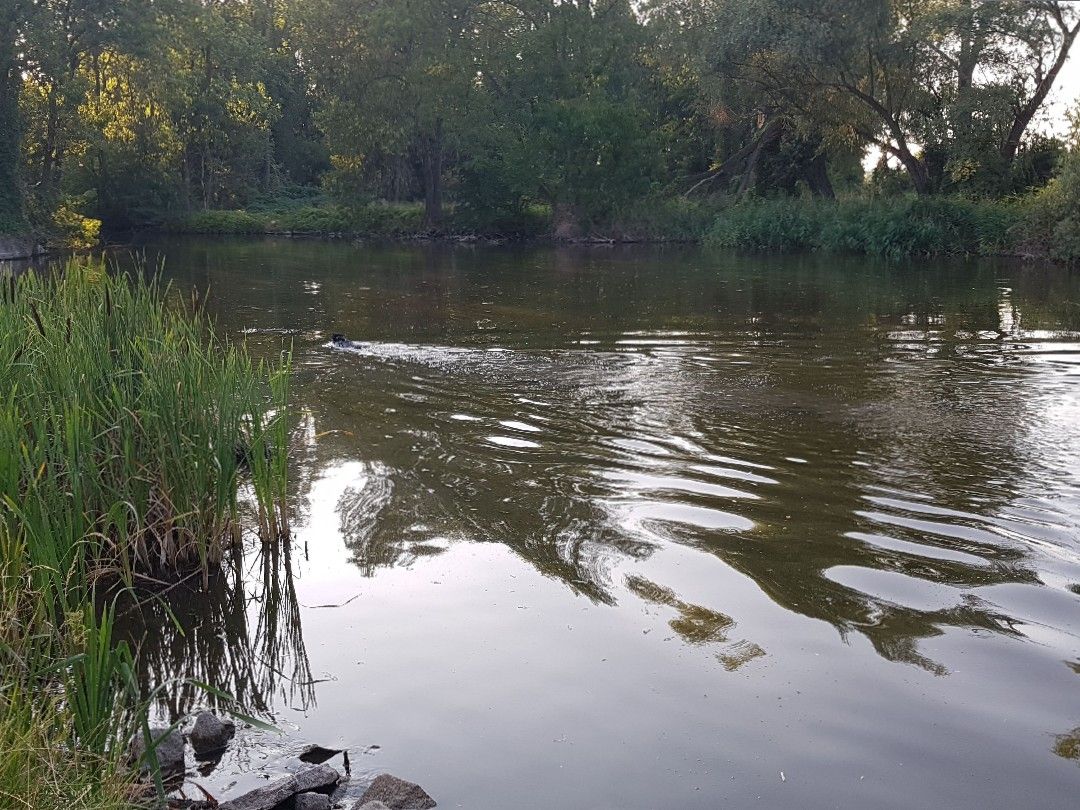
{"points": [[890, 228], [371, 220], [893, 228], [126, 433]]}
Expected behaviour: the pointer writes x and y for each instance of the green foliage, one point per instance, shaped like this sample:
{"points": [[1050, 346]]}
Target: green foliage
{"points": [[71, 229], [300, 115], [949, 90], [94, 682], [375, 220], [663, 219], [395, 84], [12, 219], [890, 228], [1051, 220], [572, 128], [223, 222], [40, 769]]}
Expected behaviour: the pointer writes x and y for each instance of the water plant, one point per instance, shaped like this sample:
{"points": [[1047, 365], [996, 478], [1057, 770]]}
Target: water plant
{"points": [[128, 432], [126, 429]]}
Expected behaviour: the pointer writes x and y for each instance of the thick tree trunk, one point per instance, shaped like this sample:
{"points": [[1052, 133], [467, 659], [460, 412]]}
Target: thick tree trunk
{"points": [[916, 168], [815, 173]]}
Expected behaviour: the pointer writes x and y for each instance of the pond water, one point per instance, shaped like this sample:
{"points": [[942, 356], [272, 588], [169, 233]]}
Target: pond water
{"points": [[658, 528]]}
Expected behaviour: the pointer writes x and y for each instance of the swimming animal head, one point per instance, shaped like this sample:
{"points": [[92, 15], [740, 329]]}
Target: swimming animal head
{"points": [[337, 338]]}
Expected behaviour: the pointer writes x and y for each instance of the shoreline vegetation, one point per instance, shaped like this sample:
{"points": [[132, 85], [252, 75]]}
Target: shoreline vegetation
{"points": [[130, 438], [880, 128], [1042, 226]]}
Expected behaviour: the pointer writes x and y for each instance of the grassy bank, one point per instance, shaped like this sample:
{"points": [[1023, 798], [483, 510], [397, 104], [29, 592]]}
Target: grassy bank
{"points": [[892, 228], [126, 432], [371, 221]]}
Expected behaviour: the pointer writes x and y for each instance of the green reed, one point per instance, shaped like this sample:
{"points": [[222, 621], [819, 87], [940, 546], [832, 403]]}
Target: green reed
{"points": [[127, 429], [128, 433]]}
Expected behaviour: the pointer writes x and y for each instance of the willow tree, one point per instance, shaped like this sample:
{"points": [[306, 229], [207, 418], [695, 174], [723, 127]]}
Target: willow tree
{"points": [[946, 87]]}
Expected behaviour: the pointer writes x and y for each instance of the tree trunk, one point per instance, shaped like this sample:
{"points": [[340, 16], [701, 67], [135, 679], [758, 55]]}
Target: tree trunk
{"points": [[1025, 114], [815, 173], [49, 168], [916, 168], [433, 165], [564, 222]]}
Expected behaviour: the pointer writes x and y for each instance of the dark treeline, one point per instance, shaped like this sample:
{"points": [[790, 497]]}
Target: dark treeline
{"points": [[137, 112]]}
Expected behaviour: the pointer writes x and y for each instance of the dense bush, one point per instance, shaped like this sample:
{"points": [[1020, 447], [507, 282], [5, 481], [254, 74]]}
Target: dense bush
{"points": [[223, 222], [660, 219], [1050, 225]]}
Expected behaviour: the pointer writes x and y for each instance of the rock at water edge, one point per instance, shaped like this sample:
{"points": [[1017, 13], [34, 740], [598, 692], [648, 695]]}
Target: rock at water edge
{"points": [[210, 735], [311, 801], [320, 778], [264, 798], [397, 794], [169, 749]]}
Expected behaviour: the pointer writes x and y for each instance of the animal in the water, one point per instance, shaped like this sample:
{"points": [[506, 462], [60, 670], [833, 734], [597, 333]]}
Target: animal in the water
{"points": [[339, 339]]}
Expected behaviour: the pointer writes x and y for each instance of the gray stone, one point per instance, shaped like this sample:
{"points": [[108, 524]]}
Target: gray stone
{"points": [[321, 778], [372, 806], [311, 801], [317, 754], [317, 778], [169, 749], [264, 798], [397, 794], [19, 247], [210, 735]]}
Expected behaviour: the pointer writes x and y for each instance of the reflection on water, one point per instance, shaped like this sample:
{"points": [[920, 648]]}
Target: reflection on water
{"points": [[698, 625], [241, 634], [786, 478]]}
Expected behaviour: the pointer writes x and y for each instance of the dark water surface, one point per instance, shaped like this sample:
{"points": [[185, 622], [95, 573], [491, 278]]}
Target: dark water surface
{"points": [[659, 528]]}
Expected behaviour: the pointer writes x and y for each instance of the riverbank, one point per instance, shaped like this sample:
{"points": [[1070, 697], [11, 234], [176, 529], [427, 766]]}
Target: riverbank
{"points": [[891, 228]]}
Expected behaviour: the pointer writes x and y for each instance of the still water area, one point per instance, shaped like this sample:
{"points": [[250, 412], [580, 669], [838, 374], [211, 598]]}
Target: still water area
{"points": [[655, 528]]}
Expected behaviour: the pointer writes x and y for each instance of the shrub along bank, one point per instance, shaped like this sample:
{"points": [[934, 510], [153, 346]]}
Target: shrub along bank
{"points": [[1043, 225]]}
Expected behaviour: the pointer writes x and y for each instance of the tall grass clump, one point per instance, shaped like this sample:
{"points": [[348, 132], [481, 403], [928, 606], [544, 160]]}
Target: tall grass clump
{"points": [[892, 228], [68, 701], [126, 428], [127, 433]]}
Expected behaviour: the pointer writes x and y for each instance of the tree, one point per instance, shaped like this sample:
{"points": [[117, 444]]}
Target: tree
{"points": [[930, 82], [572, 122], [394, 78], [12, 219]]}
